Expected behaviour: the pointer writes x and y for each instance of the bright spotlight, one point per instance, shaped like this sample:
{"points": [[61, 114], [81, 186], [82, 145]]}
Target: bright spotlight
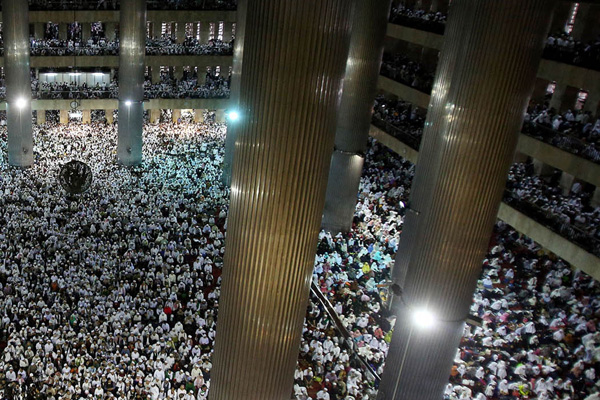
{"points": [[234, 116], [423, 318], [128, 103], [21, 103]]}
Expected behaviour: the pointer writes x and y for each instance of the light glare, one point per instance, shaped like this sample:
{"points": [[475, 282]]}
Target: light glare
{"points": [[234, 116], [21, 103], [423, 319], [128, 103]]}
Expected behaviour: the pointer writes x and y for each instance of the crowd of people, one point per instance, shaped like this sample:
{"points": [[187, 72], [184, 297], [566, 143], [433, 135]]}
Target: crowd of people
{"points": [[57, 47], [114, 293], [539, 337], [402, 69], [214, 87], [575, 131], [419, 19], [100, 46], [560, 46], [543, 198], [40, 5], [399, 118], [564, 48], [167, 45]]}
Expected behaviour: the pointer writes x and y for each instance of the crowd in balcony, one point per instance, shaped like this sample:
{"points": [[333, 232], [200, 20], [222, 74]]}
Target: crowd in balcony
{"points": [[564, 48], [577, 132], [40, 5], [560, 46], [399, 118], [215, 86], [167, 45], [570, 214], [411, 73], [419, 19]]}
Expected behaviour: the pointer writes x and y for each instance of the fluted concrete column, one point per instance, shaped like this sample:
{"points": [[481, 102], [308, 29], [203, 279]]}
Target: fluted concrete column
{"points": [[204, 32], [234, 96], [38, 30], [369, 23], [62, 30], [468, 144], [131, 80], [557, 96], [15, 23], [86, 30], [155, 71], [41, 117], [156, 29], [86, 116], [110, 31], [227, 31], [291, 87], [64, 117], [220, 116], [175, 115], [180, 32], [155, 116], [110, 118]]}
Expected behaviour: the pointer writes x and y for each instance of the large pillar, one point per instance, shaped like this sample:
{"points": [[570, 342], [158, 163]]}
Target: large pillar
{"points": [[180, 32], [86, 116], [468, 144], [156, 29], [204, 31], [227, 31], [64, 117], [591, 103], [154, 116], [557, 96], [278, 190], [155, 71], [41, 117], [62, 30], [15, 20], [175, 115], [369, 23], [86, 31], [198, 115], [234, 95], [110, 32], [110, 118], [220, 116], [131, 81], [38, 30]]}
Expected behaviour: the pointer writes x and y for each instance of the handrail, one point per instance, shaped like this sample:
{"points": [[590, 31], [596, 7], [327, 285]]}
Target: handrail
{"points": [[406, 136], [342, 329], [571, 231]]}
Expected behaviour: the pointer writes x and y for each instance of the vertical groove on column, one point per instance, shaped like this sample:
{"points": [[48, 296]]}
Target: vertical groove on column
{"points": [[484, 79], [293, 69], [15, 20], [236, 79], [132, 28], [369, 24]]}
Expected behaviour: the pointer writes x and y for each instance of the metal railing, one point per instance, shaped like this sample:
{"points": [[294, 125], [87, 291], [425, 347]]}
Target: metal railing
{"points": [[405, 135], [342, 329], [571, 231]]}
